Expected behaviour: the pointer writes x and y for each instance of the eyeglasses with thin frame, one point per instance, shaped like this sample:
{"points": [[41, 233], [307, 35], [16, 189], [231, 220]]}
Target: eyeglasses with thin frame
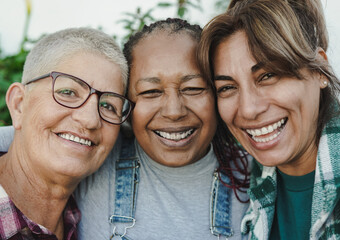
{"points": [[72, 92]]}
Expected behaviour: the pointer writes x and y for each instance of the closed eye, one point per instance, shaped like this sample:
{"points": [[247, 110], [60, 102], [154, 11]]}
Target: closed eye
{"points": [[153, 93], [192, 91]]}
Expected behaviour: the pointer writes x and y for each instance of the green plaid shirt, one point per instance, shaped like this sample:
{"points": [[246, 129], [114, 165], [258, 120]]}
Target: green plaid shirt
{"points": [[326, 193]]}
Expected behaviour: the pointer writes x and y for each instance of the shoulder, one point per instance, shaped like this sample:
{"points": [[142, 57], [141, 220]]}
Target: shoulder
{"points": [[6, 137]]}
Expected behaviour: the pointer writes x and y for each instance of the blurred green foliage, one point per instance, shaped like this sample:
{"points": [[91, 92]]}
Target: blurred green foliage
{"points": [[10, 72], [11, 66], [133, 22]]}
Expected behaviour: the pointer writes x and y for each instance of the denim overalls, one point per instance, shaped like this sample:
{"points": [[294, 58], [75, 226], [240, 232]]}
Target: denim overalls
{"points": [[127, 179]]}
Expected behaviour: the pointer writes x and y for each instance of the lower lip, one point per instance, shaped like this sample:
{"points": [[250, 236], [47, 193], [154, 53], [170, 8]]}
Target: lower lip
{"points": [[178, 144]]}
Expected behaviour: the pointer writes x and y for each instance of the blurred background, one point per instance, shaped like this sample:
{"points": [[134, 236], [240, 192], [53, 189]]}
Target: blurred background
{"points": [[23, 22]]}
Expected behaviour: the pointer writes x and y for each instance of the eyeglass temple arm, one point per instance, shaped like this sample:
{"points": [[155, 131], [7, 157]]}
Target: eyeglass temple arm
{"points": [[38, 78]]}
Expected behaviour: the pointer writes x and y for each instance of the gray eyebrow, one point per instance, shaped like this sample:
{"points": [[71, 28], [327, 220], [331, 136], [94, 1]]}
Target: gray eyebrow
{"points": [[190, 77], [149, 79]]}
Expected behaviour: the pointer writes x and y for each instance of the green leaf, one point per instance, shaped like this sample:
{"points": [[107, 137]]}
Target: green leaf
{"points": [[181, 11], [165, 4]]}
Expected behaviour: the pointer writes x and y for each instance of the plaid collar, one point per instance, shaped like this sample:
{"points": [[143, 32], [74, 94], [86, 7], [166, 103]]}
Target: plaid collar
{"points": [[326, 192], [15, 225]]}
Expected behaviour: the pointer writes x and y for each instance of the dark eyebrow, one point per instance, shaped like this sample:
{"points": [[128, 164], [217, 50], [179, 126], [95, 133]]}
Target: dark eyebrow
{"points": [[190, 77], [222, 77], [254, 69], [257, 67]]}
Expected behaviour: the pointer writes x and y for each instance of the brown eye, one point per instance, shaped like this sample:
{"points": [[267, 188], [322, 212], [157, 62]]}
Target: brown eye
{"points": [[225, 91], [266, 76]]}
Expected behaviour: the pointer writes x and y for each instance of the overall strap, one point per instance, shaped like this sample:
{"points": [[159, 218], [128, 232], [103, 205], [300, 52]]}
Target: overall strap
{"points": [[126, 185], [220, 224]]}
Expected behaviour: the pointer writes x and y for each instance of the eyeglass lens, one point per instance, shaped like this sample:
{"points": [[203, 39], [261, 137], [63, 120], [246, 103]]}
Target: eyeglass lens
{"points": [[72, 92]]}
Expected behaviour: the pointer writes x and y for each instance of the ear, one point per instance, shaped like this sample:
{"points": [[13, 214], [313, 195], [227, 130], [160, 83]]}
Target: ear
{"points": [[322, 56], [15, 101]]}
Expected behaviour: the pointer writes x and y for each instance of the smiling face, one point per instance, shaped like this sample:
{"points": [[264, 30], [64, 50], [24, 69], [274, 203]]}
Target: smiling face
{"points": [[174, 117], [57, 138], [273, 117]]}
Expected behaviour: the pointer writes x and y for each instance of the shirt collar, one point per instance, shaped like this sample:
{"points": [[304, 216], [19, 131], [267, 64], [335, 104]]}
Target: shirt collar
{"points": [[13, 221]]}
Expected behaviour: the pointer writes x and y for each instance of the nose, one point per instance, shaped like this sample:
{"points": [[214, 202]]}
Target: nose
{"points": [[87, 115], [173, 106], [252, 103]]}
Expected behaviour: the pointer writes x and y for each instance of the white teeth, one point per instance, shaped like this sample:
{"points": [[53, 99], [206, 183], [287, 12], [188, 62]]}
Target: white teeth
{"points": [[75, 139], [175, 136], [270, 129], [267, 139], [265, 130]]}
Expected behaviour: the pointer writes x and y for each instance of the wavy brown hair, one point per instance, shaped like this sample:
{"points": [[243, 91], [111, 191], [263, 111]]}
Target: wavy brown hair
{"points": [[285, 42]]}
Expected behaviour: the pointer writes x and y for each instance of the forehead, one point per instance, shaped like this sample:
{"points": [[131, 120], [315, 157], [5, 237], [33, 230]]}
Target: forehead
{"points": [[95, 69], [162, 46], [164, 54], [233, 52]]}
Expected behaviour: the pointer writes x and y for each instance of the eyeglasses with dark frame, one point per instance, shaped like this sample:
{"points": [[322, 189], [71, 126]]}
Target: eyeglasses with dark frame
{"points": [[72, 92]]}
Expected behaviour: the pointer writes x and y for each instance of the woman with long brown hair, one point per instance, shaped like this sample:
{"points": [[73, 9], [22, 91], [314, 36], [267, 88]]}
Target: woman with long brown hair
{"points": [[277, 94]]}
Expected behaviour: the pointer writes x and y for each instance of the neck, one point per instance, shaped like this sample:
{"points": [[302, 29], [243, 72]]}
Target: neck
{"points": [[303, 164], [38, 197]]}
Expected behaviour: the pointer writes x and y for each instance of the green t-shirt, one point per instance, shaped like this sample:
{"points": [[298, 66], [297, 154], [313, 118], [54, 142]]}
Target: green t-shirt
{"points": [[292, 219]]}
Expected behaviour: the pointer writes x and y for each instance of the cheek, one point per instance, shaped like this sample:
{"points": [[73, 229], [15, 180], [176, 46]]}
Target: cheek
{"points": [[225, 109], [110, 134], [203, 104], [42, 112], [204, 109], [143, 113]]}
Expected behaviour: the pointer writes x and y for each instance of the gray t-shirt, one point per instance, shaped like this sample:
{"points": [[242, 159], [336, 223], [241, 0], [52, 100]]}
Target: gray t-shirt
{"points": [[172, 203], [6, 137]]}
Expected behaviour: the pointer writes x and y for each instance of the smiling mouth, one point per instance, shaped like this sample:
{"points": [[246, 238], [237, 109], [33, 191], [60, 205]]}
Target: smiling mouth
{"points": [[175, 136], [76, 139], [263, 135]]}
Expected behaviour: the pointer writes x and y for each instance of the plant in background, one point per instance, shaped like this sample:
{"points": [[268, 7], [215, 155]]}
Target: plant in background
{"points": [[182, 6], [10, 72], [221, 5], [11, 69], [133, 22]]}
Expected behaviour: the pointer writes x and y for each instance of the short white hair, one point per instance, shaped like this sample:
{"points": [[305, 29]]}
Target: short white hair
{"points": [[53, 48]]}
